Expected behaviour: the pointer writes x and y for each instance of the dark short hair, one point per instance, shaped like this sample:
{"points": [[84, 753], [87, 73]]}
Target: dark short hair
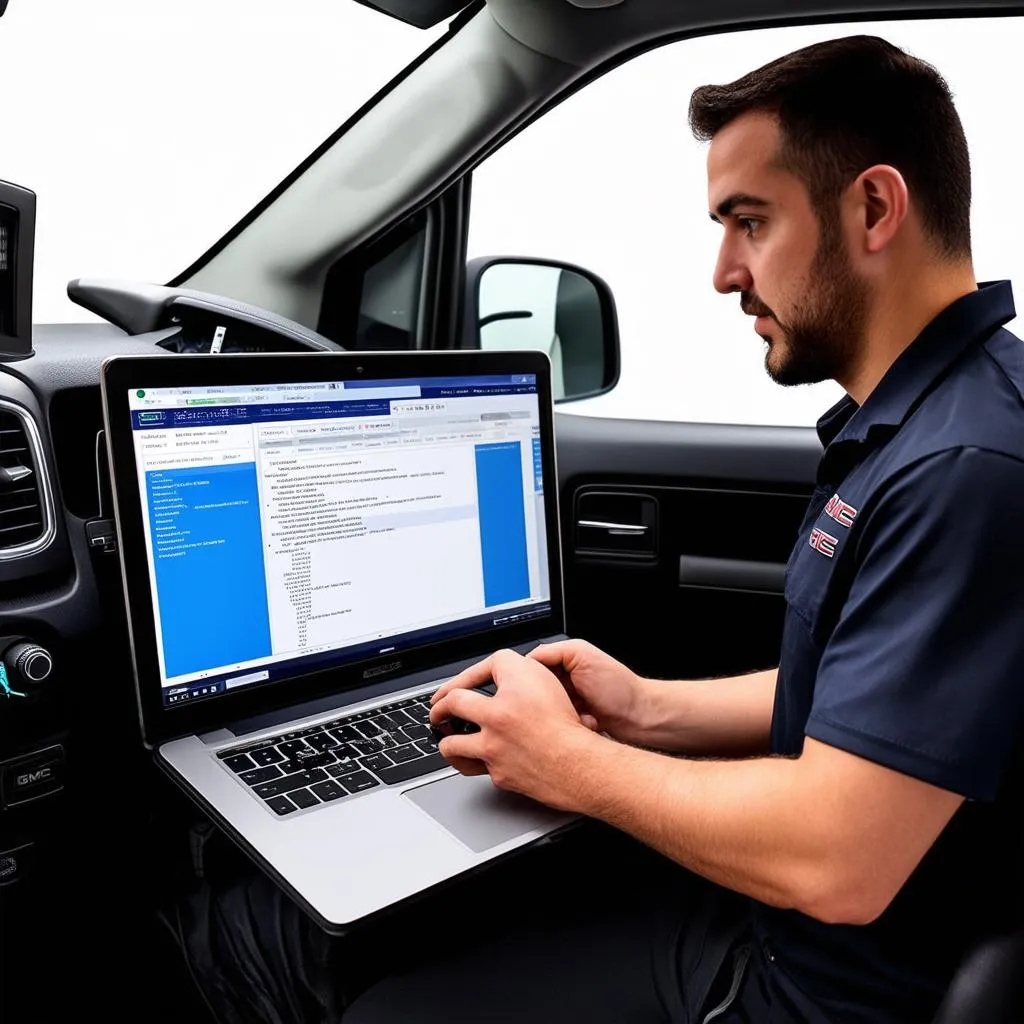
{"points": [[847, 104]]}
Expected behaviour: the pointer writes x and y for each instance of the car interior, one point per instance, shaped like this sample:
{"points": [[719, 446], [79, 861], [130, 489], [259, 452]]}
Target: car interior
{"points": [[361, 248]]}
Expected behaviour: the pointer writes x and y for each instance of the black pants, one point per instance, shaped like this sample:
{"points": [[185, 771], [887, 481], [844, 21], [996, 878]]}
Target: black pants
{"points": [[594, 928]]}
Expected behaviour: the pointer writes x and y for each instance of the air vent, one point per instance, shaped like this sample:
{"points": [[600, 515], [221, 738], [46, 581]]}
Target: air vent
{"points": [[26, 516]]}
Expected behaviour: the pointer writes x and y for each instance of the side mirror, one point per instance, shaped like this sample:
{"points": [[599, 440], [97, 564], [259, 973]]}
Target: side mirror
{"points": [[565, 311]]}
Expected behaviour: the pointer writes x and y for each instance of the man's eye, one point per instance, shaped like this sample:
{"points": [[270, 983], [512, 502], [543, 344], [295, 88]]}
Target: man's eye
{"points": [[749, 226]]}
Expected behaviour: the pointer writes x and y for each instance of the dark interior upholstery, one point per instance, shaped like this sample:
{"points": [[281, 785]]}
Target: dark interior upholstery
{"points": [[989, 987]]}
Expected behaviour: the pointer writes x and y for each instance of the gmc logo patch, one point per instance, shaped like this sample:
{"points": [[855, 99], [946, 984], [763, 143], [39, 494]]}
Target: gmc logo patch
{"points": [[823, 542], [29, 778], [841, 512]]}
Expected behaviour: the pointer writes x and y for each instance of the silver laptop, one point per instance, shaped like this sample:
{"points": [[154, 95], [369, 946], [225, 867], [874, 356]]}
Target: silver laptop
{"points": [[310, 545]]}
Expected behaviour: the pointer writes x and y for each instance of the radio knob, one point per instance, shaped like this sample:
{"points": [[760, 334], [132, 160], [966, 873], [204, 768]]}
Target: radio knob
{"points": [[27, 664]]}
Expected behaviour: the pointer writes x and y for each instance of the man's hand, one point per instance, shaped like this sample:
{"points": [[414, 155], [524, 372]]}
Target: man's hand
{"points": [[609, 696], [531, 737]]}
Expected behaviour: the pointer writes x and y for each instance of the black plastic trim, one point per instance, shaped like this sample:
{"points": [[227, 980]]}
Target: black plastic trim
{"points": [[139, 308], [418, 13], [17, 343]]}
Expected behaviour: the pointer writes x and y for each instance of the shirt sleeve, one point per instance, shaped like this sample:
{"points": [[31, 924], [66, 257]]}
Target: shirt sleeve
{"points": [[924, 672]]}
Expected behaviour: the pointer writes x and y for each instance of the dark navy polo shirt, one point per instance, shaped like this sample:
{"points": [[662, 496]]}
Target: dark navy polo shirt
{"points": [[904, 644]]}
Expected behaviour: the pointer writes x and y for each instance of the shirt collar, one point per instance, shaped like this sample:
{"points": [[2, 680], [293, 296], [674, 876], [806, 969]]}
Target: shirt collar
{"points": [[969, 320]]}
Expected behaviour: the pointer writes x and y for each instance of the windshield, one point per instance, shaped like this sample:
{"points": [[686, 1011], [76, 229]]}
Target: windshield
{"points": [[147, 129]]}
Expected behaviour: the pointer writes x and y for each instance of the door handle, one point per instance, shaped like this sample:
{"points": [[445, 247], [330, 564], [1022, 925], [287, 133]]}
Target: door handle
{"points": [[615, 529], [732, 574]]}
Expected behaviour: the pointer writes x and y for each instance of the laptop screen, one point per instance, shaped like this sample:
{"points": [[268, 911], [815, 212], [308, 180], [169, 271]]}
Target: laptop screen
{"points": [[294, 527]]}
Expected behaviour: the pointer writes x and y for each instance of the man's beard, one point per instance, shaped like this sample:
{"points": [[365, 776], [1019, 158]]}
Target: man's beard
{"points": [[824, 332]]}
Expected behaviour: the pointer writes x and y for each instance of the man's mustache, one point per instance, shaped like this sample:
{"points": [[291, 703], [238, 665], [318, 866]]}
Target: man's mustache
{"points": [[753, 306]]}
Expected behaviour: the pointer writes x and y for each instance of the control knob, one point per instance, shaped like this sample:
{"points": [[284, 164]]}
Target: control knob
{"points": [[27, 664]]}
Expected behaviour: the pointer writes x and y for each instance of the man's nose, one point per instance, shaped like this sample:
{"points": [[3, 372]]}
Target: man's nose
{"points": [[731, 274]]}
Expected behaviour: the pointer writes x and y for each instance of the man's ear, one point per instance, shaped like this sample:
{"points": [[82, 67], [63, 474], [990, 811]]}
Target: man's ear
{"points": [[882, 202]]}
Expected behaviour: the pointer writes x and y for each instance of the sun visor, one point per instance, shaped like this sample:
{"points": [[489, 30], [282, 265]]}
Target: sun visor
{"points": [[420, 13]]}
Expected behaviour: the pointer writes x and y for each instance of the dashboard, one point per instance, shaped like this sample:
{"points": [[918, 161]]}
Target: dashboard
{"points": [[77, 788], [64, 652]]}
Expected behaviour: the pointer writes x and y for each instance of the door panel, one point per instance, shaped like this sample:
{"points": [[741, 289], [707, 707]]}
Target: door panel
{"points": [[676, 536]]}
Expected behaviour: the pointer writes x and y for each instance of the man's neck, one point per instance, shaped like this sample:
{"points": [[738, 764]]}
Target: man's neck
{"points": [[899, 315]]}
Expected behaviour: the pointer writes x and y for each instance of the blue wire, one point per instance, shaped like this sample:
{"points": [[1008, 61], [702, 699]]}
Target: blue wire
{"points": [[5, 686]]}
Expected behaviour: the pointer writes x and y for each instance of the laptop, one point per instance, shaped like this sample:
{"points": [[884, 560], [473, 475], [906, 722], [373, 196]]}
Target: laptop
{"points": [[311, 544]]}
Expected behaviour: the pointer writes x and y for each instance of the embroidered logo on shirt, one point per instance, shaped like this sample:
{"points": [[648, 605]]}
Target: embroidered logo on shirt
{"points": [[824, 542], [841, 512]]}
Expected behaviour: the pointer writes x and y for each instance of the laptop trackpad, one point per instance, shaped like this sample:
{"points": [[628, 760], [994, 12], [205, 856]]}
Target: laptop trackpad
{"points": [[479, 815]]}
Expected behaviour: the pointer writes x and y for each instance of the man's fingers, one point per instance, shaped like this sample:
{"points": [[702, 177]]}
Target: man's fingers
{"points": [[552, 655], [466, 679], [589, 721], [461, 703]]}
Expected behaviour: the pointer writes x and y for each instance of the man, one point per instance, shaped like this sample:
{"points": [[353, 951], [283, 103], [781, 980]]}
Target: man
{"points": [[850, 835]]}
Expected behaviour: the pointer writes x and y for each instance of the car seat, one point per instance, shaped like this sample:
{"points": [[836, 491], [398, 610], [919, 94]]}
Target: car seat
{"points": [[988, 988]]}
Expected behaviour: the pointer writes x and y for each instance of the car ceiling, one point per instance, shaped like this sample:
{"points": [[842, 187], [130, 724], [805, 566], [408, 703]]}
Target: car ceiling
{"points": [[511, 59]]}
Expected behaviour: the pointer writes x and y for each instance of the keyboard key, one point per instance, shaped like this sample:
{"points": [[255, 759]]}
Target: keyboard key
{"points": [[420, 712], [317, 760], [310, 760], [428, 745], [292, 747], [364, 747], [303, 798], [328, 791], [368, 729], [411, 769], [346, 768], [268, 755], [290, 782], [416, 732], [258, 775], [281, 805], [321, 741], [240, 763], [345, 733], [358, 782], [393, 720], [376, 761], [402, 754]]}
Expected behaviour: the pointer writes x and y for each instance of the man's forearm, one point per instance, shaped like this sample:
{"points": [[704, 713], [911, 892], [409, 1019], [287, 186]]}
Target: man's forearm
{"points": [[729, 717], [739, 823]]}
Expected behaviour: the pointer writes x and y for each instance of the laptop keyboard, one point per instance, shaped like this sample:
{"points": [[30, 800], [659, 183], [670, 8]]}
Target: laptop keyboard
{"points": [[333, 760]]}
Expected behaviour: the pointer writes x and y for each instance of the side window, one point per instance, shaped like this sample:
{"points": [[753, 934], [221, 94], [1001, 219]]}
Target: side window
{"points": [[612, 180]]}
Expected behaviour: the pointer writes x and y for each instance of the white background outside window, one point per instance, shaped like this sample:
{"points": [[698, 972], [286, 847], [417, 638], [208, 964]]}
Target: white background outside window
{"points": [[613, 180], [147, 129]]}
